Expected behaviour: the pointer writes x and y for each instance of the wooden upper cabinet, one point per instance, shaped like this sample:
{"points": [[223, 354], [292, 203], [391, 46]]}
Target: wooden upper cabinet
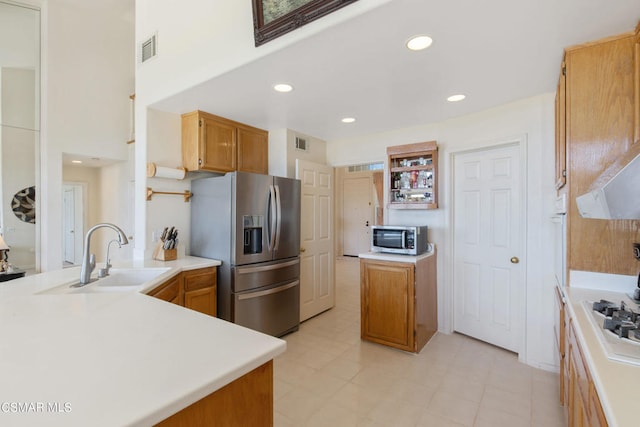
{"points": [[253, 150], [600, 82], [215, 144], [636, 89], [561, 139]]}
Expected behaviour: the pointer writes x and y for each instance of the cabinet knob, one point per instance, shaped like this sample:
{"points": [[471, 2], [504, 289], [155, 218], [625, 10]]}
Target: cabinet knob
{"points": [[515, 260], [303, 250]]}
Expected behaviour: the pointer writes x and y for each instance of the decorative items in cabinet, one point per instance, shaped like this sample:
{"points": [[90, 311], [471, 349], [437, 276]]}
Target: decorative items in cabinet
{"points": [[413, 174]]}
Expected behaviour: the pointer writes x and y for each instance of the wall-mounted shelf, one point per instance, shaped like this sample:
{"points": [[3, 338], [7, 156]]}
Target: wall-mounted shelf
{"points": [[413, 172], [186, 194]]}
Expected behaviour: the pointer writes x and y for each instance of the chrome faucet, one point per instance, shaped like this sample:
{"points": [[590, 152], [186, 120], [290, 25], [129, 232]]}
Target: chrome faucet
{"points": [[89, 259], [104, 272]]}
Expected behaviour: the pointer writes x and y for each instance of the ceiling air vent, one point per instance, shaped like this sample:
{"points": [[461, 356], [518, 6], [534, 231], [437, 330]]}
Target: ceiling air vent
{"points": [[301, 144], [148, 48]]}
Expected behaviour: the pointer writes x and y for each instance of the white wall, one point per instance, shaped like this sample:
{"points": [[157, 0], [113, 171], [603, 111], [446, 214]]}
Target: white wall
{"points": [[530, 118], [88, 75], [283, 152], [116, 202], [202, 39], [164, 149]]}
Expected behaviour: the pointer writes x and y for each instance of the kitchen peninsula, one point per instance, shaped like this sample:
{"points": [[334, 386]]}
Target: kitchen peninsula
{"points": [[124, 358]]}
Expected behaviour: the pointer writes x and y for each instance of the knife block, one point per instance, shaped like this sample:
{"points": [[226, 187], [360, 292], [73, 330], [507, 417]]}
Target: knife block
{"points": [[161, 254]]}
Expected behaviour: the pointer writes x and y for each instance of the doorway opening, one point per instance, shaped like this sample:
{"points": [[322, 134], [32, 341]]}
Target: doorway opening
{"points": [[73, 198], [359, 201]]}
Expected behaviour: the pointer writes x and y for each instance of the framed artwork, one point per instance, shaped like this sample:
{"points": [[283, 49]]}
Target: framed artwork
{"points": [[273, 18]]}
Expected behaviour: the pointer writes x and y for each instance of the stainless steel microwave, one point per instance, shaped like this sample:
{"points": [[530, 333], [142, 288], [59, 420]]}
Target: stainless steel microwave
{"points": [[399, 239]]}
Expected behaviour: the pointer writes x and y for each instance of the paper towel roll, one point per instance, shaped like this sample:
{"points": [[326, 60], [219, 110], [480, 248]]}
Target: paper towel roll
{"points": [[163, 172]]}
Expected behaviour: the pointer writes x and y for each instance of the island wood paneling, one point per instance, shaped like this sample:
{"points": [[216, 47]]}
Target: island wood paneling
{"points": [[247, 401], [599, 129]]}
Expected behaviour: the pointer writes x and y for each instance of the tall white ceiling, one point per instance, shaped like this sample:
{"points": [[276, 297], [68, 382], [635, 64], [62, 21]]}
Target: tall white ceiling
{"points": [[493, 51]]}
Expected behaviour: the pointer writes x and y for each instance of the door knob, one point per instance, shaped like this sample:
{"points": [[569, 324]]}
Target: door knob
{"points": [[302, 250], [515, 260]]}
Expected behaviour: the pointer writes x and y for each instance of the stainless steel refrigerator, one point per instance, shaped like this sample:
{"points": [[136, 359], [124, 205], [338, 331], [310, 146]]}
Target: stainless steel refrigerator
{"points": [[251, 222]]}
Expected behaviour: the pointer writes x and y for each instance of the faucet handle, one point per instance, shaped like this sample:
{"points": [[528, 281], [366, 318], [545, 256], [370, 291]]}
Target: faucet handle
{"points": [[92, 262]]}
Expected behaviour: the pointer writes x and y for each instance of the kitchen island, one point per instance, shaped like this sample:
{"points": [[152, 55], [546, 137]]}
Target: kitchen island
{"points": [[120, 358], [398, 299]]}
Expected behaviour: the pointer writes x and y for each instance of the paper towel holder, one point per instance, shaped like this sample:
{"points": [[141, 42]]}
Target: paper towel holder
{"points": [[155, 171]]}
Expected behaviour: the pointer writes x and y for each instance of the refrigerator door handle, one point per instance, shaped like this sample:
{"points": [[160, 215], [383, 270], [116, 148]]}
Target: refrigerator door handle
{"points": [[250, 270], [268, 291], [271, 214], [278, 218]]}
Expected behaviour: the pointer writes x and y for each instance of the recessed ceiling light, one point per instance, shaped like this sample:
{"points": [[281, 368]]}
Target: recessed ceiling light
{"points": [[76, 161], [282, 87], [419, 42], [456, 98], [348, 120]]}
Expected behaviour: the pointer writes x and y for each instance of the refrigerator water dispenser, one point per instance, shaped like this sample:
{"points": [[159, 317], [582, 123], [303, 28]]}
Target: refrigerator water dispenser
{"points": [[252, 228]]}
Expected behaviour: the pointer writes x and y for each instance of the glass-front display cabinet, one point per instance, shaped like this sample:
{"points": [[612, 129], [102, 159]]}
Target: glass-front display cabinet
{"points": [[413, 175]]}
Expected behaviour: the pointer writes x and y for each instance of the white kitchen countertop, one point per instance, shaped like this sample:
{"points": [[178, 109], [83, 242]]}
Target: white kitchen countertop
{"points": [[616, 382], [395, 257], [113, 359]]}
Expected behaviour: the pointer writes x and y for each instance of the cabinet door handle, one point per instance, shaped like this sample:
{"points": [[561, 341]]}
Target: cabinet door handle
{"points": [[515, 260]]}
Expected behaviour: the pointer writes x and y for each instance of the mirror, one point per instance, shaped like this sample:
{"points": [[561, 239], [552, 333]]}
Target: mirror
{"points": [[19, 132], [94, 190]]}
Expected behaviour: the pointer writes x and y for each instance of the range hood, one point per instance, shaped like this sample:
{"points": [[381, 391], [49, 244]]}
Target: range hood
{"points": [[616, 193]]}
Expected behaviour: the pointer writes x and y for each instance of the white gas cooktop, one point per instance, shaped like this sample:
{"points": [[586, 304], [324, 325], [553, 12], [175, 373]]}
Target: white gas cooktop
{"points": [[626, 350]]}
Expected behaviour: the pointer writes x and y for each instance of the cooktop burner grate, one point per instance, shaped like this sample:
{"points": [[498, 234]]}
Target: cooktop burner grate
{"points": [[617, 328]]}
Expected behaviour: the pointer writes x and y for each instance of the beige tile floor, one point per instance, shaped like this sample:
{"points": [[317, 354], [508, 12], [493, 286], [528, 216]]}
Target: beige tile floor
{"points": [[329, 377]]}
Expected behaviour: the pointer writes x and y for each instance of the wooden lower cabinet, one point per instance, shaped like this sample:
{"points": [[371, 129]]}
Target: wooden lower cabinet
{"points": [[170, 291], [194, 289], [398, 302], [247, 401], [580, 396], [200, 290]]}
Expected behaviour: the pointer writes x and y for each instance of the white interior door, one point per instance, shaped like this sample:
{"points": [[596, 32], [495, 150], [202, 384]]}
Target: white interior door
{"points": [[68, 225], [357, 215], [488, 239], [317, 269], [73, 224]]}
